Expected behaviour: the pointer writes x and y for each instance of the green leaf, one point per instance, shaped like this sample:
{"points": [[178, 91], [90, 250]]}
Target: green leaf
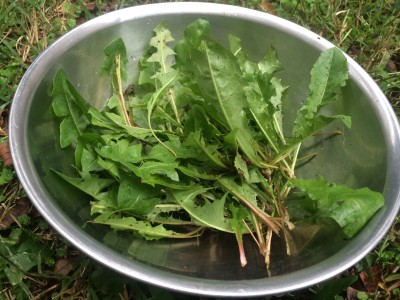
{"points": [[71, 107], [165, 75], [146, 75], [320, 122], [197, 31], [121, 151], [149, 171], [159, 42], [235, 46], [246, 194], [137, 197], [112, 102], [23, 260], [220, 82], [143, 228], [183, 151], [270, 64], [195, 172], [88, 163], [239, 214], [261, 114], [329, 73], [59, 95], [241, 167], [116, 118], [110, 166], [211, 151], [159, 153], [226, 94], [105, 201], [149, 168], [6, 175], [166, 81], [14, 275], [210, 214], [91, 186], [155, 179], [162, 116], [350, 208], [275, 98], [114, 48], [197, 120], [99, 119], [142, 133], [264, 91], [165, 213], [239, 189], [68, 132]]}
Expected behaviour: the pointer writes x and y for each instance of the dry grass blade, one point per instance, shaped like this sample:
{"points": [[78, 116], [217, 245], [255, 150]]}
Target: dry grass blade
{"points": [[10, 213]]}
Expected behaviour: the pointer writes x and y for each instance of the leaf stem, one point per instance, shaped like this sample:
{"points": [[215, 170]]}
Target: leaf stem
{"points": [[294, 159], [172, 101], [267, 253], [257, 226], [120, 94], [279, 130], [251, 233], [257, 212], [150, 107], [267, 187], [239, 238]]}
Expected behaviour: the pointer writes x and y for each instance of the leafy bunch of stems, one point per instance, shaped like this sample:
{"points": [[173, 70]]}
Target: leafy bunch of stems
{"points": [[200, 144]]}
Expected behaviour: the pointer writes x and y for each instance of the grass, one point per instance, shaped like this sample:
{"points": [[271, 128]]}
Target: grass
{"points": [[367, 30], [36, 263]]}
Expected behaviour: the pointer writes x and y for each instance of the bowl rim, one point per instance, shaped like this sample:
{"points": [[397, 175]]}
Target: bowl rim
{"points": [[236, 288]]}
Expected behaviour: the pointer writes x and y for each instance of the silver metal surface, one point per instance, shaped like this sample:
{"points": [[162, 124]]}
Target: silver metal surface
{"points": [[367, 155]]}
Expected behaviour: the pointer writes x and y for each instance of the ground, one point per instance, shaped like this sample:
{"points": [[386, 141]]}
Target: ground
{"points": [[36, 263]]}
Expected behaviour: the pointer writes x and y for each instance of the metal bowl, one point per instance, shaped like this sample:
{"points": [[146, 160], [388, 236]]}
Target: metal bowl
{"points": [[366, 155]]}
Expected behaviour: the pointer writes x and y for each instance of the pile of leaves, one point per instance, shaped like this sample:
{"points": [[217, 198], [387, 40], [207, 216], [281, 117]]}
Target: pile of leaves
{"points": [[200, 144]]}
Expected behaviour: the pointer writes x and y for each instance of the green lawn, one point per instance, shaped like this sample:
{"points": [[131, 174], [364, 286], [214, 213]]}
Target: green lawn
{"points": [[36, 263]]}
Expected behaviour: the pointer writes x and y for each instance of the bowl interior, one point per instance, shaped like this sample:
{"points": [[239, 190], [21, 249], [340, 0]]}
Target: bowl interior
{"points": [[358, 157]]}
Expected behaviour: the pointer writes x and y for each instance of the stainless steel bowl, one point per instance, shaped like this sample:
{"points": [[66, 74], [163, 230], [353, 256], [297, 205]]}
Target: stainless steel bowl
{"points": [[365, 156]]}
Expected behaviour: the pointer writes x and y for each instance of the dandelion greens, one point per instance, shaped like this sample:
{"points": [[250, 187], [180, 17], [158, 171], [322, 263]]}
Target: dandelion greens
{"points": [[201, 144]]}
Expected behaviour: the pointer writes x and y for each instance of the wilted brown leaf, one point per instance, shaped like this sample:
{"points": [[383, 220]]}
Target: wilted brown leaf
{"points": [[5, 154], [269, 8], [371, 280], [104, 7], [91, 6], [352, 293], [64, 266]]}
